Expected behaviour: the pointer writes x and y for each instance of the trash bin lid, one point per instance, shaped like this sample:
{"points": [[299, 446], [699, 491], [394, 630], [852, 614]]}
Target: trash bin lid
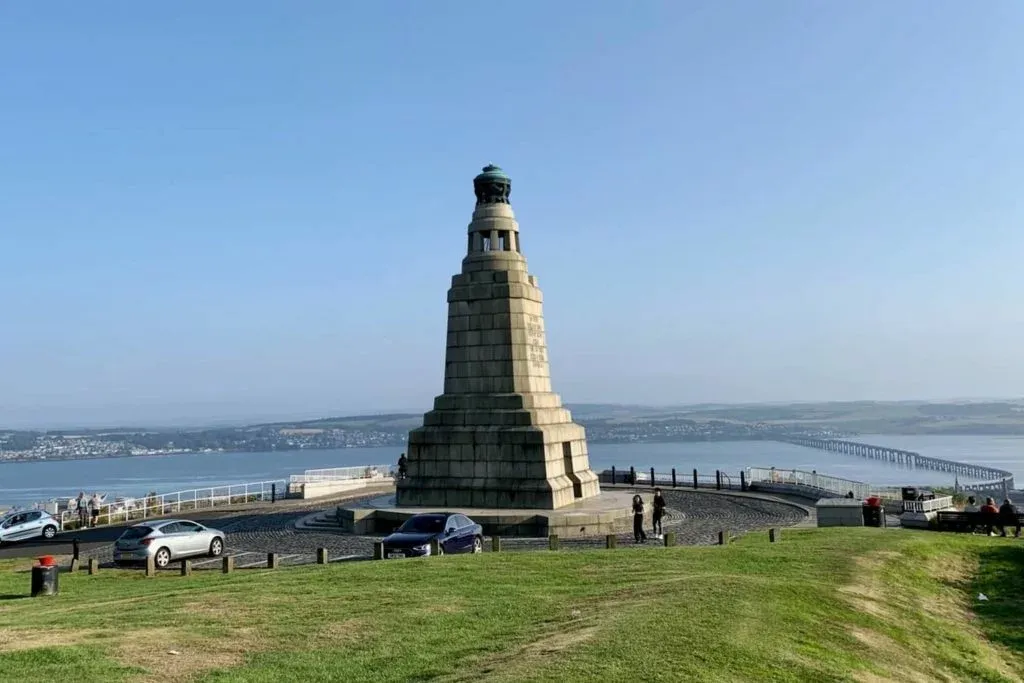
{"points": [[47, 561], [874, 501]]}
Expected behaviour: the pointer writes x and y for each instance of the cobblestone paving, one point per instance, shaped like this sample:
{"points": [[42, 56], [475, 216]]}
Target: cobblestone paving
{"points": [[695, 517]]}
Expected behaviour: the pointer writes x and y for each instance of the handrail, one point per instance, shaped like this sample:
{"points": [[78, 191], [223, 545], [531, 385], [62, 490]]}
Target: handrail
{"points": [[145, 507], [342, 474]]}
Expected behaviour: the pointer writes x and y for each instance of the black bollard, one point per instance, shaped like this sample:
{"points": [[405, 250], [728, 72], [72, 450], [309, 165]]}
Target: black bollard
{"points": [[613, 475], [75, 557], [45, 577], [694, 478], [273, 493], [743, 481], [673, 477], [652, 478], [632, 476]]}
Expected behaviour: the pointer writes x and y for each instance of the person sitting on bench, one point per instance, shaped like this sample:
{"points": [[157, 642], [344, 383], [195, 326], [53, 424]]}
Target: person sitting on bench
{"points": [[1008, 517], [972, 505], [990, 513]]}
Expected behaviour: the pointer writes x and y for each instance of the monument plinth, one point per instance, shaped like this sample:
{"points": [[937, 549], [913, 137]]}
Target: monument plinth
{"points": [[498, 437]]}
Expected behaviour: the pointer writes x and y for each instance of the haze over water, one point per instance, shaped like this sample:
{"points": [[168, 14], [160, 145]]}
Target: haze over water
{"points": [[26, 483]]}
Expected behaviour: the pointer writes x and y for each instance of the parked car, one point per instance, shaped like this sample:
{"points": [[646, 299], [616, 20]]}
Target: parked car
{"points": [[167, 540], [454, 533], [27, 524]]}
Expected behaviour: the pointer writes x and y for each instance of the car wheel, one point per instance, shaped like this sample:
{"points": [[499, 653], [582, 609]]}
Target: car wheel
{"points": [[478, 545], [49, 531], [216, 547], [162, 558]]}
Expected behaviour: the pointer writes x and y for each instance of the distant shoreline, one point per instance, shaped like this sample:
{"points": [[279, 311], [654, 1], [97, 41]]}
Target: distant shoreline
{"points": [[401, 447]]}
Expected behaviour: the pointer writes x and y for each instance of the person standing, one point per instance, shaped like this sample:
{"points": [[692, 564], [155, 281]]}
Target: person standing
{"points": [[94, 508], [403, 466], [639, 535], [82, 505], [657, 512]]}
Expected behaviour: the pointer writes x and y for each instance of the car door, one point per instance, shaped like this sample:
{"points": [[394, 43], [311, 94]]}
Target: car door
{"points": [[24, 525], [193, 537], [34, 524], [460, 541], [450, 537], [173, 539], [13, 527]]}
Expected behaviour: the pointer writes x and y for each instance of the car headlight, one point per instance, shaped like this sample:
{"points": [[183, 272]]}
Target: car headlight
{"points": [[425, 548]]}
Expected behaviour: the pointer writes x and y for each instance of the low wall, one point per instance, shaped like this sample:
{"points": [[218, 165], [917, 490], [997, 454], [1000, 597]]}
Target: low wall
{"points": [[320, 489], [839, 512]]}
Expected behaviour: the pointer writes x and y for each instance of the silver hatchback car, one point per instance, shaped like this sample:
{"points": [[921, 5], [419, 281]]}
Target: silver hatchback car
{"points": [[167, 540], [27, 524]]}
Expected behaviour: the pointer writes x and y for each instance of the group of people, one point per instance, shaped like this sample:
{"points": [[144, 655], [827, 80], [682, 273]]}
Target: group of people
{"points": [[88, 509], [657, 514], [997, 517]]}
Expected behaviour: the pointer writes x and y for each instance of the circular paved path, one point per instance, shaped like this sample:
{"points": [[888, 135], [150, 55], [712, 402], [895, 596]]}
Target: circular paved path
{"points": [[696, 517]]}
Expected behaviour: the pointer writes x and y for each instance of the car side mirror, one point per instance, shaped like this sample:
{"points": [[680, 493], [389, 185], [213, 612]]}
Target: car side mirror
{"points": [[451, 530]]}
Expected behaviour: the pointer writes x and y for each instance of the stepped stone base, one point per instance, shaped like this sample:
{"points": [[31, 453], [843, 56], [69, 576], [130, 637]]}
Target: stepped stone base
{"points": [[609, 513]]}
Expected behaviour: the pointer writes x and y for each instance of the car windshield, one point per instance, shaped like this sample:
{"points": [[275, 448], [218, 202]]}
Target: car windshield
{"points": [[427, 524], [136, 532]]}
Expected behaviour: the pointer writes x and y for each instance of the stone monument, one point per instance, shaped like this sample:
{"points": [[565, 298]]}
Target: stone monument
{"points": [[498, 437]]}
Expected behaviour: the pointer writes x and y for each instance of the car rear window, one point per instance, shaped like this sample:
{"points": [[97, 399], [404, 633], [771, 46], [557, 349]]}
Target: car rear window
{"points": [[137, 532]]}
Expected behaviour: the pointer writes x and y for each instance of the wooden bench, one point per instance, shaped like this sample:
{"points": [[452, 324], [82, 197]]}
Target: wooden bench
{"points": [[948, 520]]}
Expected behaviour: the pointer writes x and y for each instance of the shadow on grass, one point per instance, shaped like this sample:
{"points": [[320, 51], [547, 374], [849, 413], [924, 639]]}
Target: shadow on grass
{"points": [[14, 597], [1001, 579]]}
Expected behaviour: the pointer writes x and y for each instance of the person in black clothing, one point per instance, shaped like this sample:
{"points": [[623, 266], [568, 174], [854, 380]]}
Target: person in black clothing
{"points": [[1008, 517], [402, 466], [638, 519], [657, 513]]}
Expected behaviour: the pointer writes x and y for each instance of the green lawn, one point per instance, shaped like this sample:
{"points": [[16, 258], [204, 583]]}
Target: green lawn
{"points": [[822, 605]]}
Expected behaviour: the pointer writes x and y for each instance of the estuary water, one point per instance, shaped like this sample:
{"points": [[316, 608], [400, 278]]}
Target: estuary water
{"points": [[30, 482]]}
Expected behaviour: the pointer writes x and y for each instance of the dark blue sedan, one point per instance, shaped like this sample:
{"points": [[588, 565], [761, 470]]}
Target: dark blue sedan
{"points": [[454, 533]]}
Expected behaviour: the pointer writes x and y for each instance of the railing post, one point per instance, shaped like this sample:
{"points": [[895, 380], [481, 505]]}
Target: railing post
{"points": [[652, 478], [321, 555], [609, 541], [718, 480], [694, 477], [673, 477]]}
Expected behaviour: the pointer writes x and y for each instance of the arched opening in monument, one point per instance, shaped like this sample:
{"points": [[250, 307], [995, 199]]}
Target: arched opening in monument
{"points": [[487, 241], [577, 487], [504, 243]]}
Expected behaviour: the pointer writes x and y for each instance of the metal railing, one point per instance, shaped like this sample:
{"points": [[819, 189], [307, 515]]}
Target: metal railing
{"points": [[821, 483], [676, 478], [934, 505], [158, 505], [342, 474]]}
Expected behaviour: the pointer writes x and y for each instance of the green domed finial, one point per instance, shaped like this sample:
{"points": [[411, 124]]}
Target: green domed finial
{"points": [[493, 186]]}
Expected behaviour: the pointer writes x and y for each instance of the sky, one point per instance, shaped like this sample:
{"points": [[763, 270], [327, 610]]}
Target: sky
{"points": [[249, 210]]}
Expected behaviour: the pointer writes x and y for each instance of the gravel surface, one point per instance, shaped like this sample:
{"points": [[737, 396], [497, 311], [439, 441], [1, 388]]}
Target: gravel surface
{"points": [[695, 517]]}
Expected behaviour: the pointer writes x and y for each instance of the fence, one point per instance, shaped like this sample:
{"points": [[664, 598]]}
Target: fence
{"points": [[156, 505], [342, 474], [821, 483], [719, 480], [934, 505]]}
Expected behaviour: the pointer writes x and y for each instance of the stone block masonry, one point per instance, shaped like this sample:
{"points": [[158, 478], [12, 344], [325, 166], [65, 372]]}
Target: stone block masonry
{"points": [[498, 437]]}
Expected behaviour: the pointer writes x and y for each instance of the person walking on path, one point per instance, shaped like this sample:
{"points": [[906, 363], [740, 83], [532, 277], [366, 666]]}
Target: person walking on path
{"points": [[82, 505], [1008, 517], [94, 508], [639, 535], [657, 513]]}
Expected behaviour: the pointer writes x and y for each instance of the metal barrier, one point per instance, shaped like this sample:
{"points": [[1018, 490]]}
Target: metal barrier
{"points": [[934, 505], [676, 478], [822, 483], [342, 474], [157, 505]]}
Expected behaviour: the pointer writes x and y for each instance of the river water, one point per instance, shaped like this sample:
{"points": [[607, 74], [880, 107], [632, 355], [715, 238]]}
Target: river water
{"points": [[26, 483]]}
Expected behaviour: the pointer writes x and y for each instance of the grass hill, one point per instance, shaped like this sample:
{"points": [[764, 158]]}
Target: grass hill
{"points": [[822, 605]]}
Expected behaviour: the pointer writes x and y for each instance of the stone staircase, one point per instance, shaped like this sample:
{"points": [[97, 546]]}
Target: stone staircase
{"points": [[324, 520]]}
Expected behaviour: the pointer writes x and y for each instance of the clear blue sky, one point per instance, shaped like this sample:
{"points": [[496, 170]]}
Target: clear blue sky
{"points": [[252, 209]]}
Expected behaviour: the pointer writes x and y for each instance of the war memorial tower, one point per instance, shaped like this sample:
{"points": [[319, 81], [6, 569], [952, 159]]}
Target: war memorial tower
{"points": [[498, 437]]}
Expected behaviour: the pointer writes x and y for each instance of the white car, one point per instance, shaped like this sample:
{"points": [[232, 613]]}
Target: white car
{"points": [[27, 524]]}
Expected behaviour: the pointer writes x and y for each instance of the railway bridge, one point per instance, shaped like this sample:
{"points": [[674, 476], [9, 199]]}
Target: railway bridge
{"points": [[997, 477]]}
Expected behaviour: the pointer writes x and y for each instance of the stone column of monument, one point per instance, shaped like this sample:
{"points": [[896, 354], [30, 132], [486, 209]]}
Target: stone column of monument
{"points": [[498, 437]]}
